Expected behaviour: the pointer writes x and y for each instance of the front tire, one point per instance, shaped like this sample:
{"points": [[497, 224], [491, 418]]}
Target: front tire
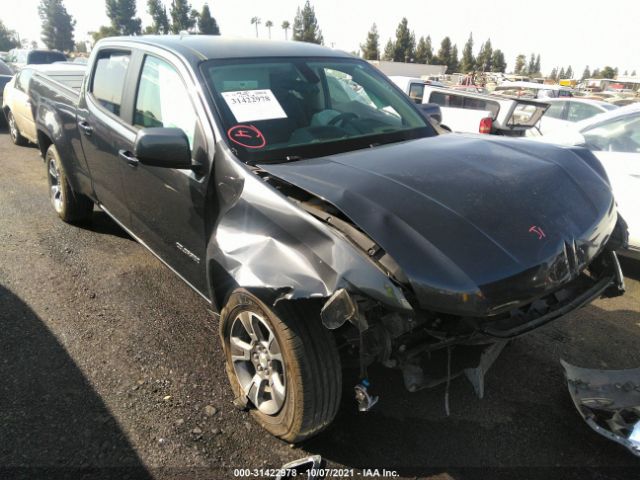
{"points": [[14, 131], [70, 206], [284, 361]]}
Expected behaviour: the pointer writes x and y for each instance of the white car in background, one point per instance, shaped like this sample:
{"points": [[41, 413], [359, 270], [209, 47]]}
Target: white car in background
{"points": [[614, 137], [470, 112], [564, 112], [16, 105]]}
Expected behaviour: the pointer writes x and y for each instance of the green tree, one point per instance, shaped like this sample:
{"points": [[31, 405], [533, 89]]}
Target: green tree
{"points": [[269, 24], [57, 25], [454, 63], [104, 32], [538, 67], [371, 47], [183, 17], [586, 73], [498, 62], [81, 47], [468, 62], [207, 24], [633, 74], [388, 51], [608, 72], [8, 38], [305, 25], [521, 65], [444, 53], [122, 15], [562, 75], [596, 73], [256, 21], [485, 57], [158, 13], [531, 67], [568, 73], [286, 26], [424, 51], [404, 44], [554, 74]]}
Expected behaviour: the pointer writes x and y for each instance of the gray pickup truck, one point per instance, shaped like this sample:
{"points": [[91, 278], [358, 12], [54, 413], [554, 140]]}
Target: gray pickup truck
{"points": [[310, 202]]}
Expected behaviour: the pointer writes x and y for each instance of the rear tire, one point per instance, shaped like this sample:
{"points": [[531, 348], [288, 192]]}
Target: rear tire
{"points": [[14, 131], [308, 366], [70, 206]]}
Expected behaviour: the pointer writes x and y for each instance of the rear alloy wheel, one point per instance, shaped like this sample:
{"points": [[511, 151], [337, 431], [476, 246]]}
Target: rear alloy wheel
{"points": [[70, 206], [283, 362], [14, 132]]}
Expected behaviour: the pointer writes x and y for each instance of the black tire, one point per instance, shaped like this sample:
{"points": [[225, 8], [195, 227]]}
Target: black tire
{"points": [[14, 131], [70, 206], [311, 364]]}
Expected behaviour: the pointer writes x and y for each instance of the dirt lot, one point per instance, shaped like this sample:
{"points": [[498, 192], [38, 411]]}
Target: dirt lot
{"points": [[110, 367]]}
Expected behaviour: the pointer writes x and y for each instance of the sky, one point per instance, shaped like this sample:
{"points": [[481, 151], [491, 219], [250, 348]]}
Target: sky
{"points": [[563, 33]]}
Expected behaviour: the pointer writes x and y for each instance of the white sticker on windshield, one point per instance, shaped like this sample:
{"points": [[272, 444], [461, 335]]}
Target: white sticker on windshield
{"points": [[254, 105]]}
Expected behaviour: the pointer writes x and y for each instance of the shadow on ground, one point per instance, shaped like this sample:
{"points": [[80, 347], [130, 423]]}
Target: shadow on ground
{"points": [[52, 423], [103, 224], [526, 426]]}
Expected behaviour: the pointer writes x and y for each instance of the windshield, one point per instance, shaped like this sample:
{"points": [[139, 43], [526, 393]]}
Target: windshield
{"points": [[281, 109], [40, 57]]}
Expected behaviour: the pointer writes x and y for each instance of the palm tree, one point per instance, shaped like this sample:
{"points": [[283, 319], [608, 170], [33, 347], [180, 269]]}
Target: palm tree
{"points": [[286, 26], [269, 24], [256, 21]]}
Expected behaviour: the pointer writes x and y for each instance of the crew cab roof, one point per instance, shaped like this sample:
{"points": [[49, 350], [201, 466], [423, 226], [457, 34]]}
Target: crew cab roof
{"points": [[196, 48]]}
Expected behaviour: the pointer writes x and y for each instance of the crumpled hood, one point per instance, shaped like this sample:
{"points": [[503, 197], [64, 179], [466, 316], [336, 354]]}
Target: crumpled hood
{"points": [[477, 225]]}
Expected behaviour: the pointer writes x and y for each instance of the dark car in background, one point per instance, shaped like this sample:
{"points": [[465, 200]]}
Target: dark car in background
{"points": [[20, 57]]}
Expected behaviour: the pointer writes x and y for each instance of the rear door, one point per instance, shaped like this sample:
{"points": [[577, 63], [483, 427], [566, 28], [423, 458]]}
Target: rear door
{"points": [[167, 205], [103, 128]]}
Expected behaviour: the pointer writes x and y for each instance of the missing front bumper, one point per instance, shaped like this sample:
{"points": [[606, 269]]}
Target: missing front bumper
{"points": [[609, 401]]}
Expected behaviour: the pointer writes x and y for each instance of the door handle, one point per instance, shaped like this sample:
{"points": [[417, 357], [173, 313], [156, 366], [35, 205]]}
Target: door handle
{"points": [[86, 128], [129, 157]]}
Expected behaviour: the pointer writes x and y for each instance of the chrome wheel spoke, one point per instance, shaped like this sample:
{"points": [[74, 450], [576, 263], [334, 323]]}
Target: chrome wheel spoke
{"points": [[257, 362], [274, 348], [255, 392]]}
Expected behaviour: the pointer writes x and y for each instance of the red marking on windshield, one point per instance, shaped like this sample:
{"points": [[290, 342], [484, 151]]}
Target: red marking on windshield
{"points": [[247, 136]]}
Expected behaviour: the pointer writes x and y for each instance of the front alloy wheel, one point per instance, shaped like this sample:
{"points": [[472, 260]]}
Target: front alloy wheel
{"points": [[257, 362], [283, 362]]}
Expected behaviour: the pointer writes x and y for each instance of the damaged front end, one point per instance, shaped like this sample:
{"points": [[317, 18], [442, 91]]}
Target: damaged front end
{"points": [[609, 401], [421, 278]]}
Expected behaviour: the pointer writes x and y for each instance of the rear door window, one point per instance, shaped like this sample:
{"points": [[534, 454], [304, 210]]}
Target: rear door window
{"points": [[581, 111], [109, 78], [23, 79], [556, 110]]}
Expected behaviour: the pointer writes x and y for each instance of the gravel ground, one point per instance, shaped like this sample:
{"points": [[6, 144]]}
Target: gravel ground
{"points": [[110, 367]]}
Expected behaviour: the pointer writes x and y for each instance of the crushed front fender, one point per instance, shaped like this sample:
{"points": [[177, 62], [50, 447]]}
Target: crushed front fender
{"points": [[609, 401]]}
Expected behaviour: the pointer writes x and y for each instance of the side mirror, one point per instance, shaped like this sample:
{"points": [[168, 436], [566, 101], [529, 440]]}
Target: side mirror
{"points": [[431, 110], [163, 147]]}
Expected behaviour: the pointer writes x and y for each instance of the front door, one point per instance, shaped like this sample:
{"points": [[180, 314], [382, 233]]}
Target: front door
{"points": [[167, 205]]}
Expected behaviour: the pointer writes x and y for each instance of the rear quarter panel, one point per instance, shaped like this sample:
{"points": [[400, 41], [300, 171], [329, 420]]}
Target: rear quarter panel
{"points": [[55, 116]]}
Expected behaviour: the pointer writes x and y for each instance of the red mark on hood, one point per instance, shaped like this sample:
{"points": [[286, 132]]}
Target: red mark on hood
{"points": [[538, 231], [247, 136]]}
